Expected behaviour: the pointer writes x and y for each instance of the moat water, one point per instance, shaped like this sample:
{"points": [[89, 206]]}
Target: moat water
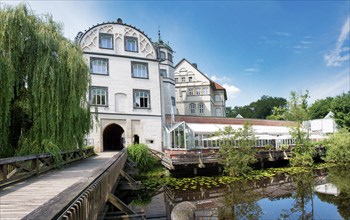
{"points": [[323, 194]]}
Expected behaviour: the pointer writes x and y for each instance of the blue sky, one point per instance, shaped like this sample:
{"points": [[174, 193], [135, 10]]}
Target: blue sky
{"points": [[252, 48]]}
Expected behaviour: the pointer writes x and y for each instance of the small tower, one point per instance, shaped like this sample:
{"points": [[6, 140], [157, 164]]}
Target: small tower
{"points": [[166, 73]]}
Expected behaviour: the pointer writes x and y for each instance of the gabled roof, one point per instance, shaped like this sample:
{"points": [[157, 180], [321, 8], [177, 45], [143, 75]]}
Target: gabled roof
{"points": [[214, 85]]}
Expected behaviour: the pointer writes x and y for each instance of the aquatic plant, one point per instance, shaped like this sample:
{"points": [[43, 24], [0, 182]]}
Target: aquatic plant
{"points": [[140, 154]]}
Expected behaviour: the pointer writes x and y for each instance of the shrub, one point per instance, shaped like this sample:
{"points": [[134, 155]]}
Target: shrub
{"points": [[140, 154], [338, 147]]}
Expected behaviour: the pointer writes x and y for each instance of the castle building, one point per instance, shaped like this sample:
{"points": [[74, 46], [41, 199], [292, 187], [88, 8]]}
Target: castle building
{"points": [[132, 85], [196, 94]]}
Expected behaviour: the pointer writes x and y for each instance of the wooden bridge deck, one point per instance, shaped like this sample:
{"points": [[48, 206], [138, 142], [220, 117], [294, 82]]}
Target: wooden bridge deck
{"points": [[20, 199]]}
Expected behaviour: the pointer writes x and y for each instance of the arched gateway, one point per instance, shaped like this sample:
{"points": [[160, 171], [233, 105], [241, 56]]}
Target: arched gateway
{"points": [[113, 138]]}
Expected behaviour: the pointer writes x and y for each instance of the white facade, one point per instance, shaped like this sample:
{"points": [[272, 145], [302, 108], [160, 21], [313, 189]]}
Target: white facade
{"points": [[196, 94], [126, 86]]}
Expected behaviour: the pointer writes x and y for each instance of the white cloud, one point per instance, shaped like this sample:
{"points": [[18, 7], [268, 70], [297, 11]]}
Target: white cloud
{"points": [[232, 92], [333, 86], [305, 42], [219, 79], [253, 70], [340, 53], [279, 33], [75, 16]]}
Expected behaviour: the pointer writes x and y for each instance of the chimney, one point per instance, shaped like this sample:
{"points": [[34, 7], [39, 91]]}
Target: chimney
{"points": [[194, 65], [119, 21]]}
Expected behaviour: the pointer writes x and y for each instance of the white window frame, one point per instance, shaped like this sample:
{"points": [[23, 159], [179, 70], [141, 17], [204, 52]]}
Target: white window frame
{"points": [[131, 44], [198, 91], [190, 79], [142, 98], [98, 96], [201, 108], [139, 70], [99, 66], [190, 91], [192, 107], [106, 41], [205, 91], [183, 79], [218, 112], [217, 97]]}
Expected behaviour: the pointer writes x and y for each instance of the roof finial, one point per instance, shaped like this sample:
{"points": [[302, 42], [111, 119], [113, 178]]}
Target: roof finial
{"points": [[159, 38]]}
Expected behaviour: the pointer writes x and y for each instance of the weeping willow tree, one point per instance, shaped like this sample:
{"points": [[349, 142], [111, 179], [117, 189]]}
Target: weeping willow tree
{"points": [[44, 81]]}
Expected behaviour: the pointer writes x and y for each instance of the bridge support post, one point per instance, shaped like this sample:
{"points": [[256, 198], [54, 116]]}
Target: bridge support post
{"points": [[120, 204]]}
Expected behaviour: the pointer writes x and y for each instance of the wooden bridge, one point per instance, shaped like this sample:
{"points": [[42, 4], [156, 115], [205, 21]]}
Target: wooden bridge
{"points": [[79, 190], [201, 158]]}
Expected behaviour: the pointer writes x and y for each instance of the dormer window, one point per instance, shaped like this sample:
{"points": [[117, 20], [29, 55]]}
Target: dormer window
{"points": [[106, 41], [131, 44]]}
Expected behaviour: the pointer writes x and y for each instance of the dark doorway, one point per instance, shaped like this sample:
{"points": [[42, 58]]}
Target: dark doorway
{"points": [[136, 139], [113, 138]]}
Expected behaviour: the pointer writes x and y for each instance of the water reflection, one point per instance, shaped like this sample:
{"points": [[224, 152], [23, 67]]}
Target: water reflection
{"points": [[317, 195], [340, 178]]}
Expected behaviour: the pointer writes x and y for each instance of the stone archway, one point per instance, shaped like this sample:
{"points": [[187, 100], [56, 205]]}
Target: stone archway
{"points": [[113, 138]]}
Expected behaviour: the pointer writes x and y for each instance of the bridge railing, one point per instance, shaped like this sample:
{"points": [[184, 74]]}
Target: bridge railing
{"points": [[86, 198], [17, 168]]}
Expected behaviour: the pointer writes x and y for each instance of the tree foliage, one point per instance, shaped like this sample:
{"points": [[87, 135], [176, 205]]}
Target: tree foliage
{"points": [[237, 158], [297, 110], [44, 81], [338, 147], [320, 108], [259, 109], [341, 110]]}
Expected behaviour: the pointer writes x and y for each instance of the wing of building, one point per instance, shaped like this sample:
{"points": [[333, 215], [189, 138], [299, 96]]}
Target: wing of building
{"points": [[131, 85], [196, 94]]}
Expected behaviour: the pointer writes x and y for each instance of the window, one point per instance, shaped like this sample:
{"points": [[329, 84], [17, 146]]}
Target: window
{"points": [[198, 91], [170, 57], [162, 55], [176, 80], [131, 44], [193, 108], [106, 41], [99, 66], [141, 99], [98, 96], [205, 91], [218, 111], [217, 98], [190, 91], [183, 79], [139, 70], [173, 100], [201, 108], [190, 79], [162, 72]]}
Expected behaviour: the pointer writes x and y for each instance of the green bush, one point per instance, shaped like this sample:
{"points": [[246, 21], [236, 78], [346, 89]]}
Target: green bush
{"points": [[338, 147], [140, 154]]}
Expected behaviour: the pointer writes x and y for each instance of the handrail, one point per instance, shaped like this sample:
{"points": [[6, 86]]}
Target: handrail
{"points": [[86, 198], [18, 168]]}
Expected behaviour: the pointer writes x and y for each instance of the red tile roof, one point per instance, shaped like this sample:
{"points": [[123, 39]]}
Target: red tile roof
{"points": [[228, 121]]}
